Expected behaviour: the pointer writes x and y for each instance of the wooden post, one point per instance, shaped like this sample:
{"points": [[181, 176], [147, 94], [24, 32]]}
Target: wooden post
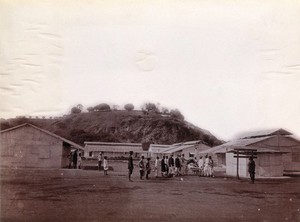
{"points": [[237, 165]]}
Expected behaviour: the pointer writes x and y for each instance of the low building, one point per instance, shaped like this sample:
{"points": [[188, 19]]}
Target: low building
{"points": [[156, 149], [113, 150], [278, 153], [27, 145], [191, 148]]}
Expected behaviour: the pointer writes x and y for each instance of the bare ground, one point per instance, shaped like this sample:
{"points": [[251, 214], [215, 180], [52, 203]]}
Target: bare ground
{"points": [[82, 195]]}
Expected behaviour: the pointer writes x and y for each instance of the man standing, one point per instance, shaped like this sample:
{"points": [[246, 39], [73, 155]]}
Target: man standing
{"points": [[156, 166], [177, 165], [251, 169], [75, 155], [142, 167], [130, 165], [99, 160]]}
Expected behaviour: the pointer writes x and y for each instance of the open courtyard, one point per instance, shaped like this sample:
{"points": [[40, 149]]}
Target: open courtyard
{"points": [[87, 195]]}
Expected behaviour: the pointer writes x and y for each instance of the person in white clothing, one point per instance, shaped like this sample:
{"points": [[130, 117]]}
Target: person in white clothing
{"points": [[105, 165], [206, 166], [201, 166]]}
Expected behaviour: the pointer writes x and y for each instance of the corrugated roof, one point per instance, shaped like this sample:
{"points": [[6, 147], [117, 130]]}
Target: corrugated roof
{"points": [[177, 149], [263, 133], [234, 144], [45, 131]]}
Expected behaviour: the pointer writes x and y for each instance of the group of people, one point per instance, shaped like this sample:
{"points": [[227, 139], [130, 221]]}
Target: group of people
{"points": [[172, 166], [75, 160], [103, 160]]}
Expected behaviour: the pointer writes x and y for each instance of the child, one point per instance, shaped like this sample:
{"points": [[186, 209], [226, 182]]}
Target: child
{"points": [[105, 165], [148, 168]]}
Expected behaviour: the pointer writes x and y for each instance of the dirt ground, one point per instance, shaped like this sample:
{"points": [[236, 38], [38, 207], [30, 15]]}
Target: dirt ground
{"points": [[87, 195]]}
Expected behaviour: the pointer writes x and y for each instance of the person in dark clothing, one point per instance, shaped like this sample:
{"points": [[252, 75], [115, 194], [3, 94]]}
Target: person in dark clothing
{"points": [[177, 166], [148, 168], [163, 167], [130, 165], [75, 155], [142, 167], [171, 165], [251, 169]]}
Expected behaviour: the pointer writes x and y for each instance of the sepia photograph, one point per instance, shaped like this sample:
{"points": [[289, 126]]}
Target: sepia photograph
{"points": [[139, 110]]}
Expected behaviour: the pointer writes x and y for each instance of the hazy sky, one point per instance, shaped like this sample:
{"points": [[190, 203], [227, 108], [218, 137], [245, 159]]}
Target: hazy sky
{"points": [[228, 66]]}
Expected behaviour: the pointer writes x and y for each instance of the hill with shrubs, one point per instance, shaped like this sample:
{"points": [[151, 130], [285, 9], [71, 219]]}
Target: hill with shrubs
{"points": [[105, 124]]}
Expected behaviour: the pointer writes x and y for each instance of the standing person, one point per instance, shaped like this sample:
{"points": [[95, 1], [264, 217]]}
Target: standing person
{"points": [[105, 165], [142, 167], [130, 165], [251, 169], [171, 165], [156, 166], [184, 165], [79, 160], [70, 158], [148, 168], [201, 166], [100, 159], [206, 166], [177, 165], [75, 155], [167, 166], [211, 167], [163, 166]]}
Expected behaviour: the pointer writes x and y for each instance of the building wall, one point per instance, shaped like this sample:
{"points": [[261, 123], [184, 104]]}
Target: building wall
{"points": [[267, 165], [291, 160], [231, 165], [30, 147], [92, 151]]}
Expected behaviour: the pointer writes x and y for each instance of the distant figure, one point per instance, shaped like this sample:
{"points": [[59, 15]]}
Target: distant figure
{"points": [[206, 166], [156, 166], [130, 165], [105, 165], [171, 165], [251, 169], [100, 158], [163, 166], [201, 166], [177, 165], [183, 165], [211, 167], [75, 155], [142, 167], [70, 158], [148, 168], [167, 166], [79, 160]]}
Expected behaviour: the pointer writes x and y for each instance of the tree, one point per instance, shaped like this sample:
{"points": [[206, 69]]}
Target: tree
{"points": [[175, 113], [164, 110], [75, 110], [79, 106], [102, 107], [129, 107], [90, 109], [150, 107]]}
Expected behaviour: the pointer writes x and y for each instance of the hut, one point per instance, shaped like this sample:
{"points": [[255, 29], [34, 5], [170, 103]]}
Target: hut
{"points": [[27, 145], [278, 153]]}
